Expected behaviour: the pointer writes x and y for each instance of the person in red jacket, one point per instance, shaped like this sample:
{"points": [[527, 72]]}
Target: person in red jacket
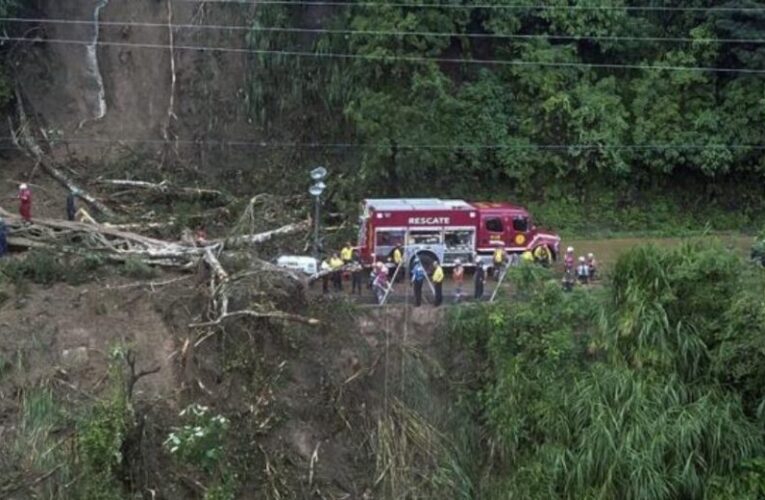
{"points": [[25, 203]]}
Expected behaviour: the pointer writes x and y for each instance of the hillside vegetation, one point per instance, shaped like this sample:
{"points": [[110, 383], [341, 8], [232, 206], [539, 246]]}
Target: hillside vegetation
{"points": [[649, 388], [573, 100]]}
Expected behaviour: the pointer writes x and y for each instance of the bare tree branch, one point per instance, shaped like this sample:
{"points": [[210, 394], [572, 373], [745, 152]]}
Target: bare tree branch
{"points": [[254, 314]]}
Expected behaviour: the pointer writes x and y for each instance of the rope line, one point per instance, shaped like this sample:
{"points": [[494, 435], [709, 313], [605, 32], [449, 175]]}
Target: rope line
{"points": [[330, 3], [280, 29], [347, 145], [385, 58]]}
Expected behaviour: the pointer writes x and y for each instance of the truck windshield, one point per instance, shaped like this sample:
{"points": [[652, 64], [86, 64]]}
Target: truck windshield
{"points": [[521, 224]]}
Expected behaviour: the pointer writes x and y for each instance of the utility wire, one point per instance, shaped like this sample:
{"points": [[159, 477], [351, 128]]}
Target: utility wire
{"points": [[325, 3], [279, 29], [372, 57], [349, 145]]}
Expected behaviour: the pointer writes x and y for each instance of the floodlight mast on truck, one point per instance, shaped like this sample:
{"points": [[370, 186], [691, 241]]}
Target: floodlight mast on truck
{"points": [[447, 230]]}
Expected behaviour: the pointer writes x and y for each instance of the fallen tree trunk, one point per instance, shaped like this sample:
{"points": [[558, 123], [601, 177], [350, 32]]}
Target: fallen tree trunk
{"points": [[167, 188], [255, 314], [346, 268], [255, 239], [26, 142], [68, 183], [103, 238], [119, 245]]}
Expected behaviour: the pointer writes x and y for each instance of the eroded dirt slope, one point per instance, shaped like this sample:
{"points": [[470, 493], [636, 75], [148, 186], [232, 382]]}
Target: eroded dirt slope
{"points": [[305, 403]]}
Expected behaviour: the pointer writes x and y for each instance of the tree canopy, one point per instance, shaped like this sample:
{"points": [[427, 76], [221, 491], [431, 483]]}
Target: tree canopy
{"points": [[588, 92]]}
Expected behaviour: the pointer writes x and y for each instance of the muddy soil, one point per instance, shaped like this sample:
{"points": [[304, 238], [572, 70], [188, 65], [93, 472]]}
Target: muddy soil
{"points": [[67, 333]]}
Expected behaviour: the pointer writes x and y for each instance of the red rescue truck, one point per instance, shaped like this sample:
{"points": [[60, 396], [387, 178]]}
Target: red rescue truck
{"points": [[447, 230]]}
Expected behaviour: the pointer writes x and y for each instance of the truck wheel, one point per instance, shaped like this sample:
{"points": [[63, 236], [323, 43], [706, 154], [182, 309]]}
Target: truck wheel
{"points": [[426, 258]]}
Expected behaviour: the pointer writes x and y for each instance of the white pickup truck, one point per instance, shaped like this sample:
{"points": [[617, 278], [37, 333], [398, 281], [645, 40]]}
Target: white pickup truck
{"points": [[304, 264]]}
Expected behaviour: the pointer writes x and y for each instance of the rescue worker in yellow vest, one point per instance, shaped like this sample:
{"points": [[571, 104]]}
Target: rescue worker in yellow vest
{"points": [[499, 260], [542, 255], [398, 257], [527, 257], [438, 283], [336, 264], [346, 253]]}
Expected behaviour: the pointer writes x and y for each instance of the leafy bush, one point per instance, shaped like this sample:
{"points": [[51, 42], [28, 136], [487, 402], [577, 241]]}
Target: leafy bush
{"points": [[200, 441]]}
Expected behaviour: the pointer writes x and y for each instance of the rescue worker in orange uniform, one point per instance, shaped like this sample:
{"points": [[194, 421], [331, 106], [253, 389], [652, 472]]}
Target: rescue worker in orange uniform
{"points": [[25, 203]]}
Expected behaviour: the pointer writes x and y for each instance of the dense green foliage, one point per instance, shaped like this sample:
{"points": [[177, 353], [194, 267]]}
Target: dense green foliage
{"points": [[651, 387], [537, 118], [7, 8]]}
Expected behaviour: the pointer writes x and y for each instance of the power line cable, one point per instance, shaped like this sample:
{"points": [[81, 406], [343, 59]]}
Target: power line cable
{"points": [[628, 8], [280, 29], [384, 58], [349, 145]]}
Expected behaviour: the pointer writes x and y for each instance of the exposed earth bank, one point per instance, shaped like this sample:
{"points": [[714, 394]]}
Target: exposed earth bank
{"points": [[306, 404]]}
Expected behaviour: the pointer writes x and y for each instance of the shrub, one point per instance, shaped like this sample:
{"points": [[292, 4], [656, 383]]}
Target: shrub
{"points": [[136, 268], [100, 437], [46, 267], [200, 441]]}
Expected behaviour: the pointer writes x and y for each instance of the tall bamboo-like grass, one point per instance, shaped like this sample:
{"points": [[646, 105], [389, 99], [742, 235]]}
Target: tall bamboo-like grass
{"points": [[35, 446], [619, 395], [669, 305], [422, 449], [415, 460], [40, 414], [642, 437]]}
